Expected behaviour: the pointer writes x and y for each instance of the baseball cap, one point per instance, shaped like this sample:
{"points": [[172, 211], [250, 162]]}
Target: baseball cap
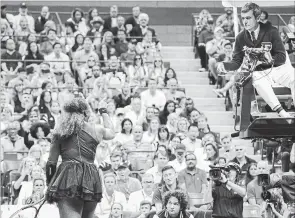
{"points": [[218, 29], [23, 5], [123, 166], [180, 147], [120, 111], [3, 7], [97, 19]]}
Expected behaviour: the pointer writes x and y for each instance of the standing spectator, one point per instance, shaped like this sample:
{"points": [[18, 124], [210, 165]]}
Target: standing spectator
{"points": [[140, 30], [42, 19], [153, 96], [79, 21], [11, 67], [111, 21], [133, 20], [205, 36], [195, 179], [251, 173], [23, 13], [56, 56]]}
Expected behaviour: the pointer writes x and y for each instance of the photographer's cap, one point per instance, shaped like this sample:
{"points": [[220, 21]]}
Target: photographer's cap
{"points": [[180, 147], [217, 29], [23, 5]]}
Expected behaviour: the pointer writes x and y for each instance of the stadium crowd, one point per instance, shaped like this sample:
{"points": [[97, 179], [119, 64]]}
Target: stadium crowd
{"points": [[164, 147]]}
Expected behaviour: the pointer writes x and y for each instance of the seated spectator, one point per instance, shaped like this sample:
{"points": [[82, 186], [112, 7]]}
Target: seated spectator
{"points": [[214, 49], [81, 56], [193, 117], [204, 128], [133, 20], [107, 48], [151, 135], [95, 32], [138, 72], [120, 26], [126, 132], [8, 17], [23, 13], [192, 143], [92, 13], [172, 93], [12, 141], [211, 155], [152, 96], [112, 20], [42, 19], [37, 193], [79, 21], [110, 195], [140, 30], [195, 179], [163, 138], [182, 125], [125, 183], [11, 67], [124, 98], [291, 26], [136, 113], [56, 56], [85, 70], [127, 58], [33, 54], [6, 118], [169, 108], [251, 173], [67, 38], [78, 44], [179, 163], [169, 74], [226, 22], [145, 194], [46, 47], [158, 71], [49, 25], [264, 18], [169, 183], [121, 43], [189, 107], [6, 33]]}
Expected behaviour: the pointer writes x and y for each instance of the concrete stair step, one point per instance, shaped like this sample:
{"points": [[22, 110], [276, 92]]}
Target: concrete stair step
{"points": [[203, 108], [208, 101], [219, 117], [184, 64], [199, 91], [222, 129], [191, 74], [180, 55], [177, 48]]}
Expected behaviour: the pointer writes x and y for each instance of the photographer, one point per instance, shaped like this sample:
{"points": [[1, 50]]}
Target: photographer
{"points": [[227, 195]]}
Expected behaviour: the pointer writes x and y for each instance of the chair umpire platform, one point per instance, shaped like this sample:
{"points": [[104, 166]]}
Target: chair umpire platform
{"points": [[264, 124]]}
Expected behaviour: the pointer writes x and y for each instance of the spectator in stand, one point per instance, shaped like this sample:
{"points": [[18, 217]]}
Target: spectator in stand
{"points": [[110, 195], [211, 155], [145, 194], [6, 33], [179, 162], [251, 173], [291, 26], [205, 36], [23, 13], [21, 34], [157, 72], [38, 191], [226, 22], [92, 13], [78, 44], [152, 96], [193, 118], [95, 32], [47, 47], [138, 72], [111, 21], [13, 141], [8, 17], [169, 183], [123, 99], [264, 17], [161, 159], [125, 183], [120, 26], [204, 128], [127, 58], [140, 30], [214, 49], [133, 20], [169, 108], [33, 55], [58, 60], [201, 22], [107, 48], [11, 67], [42, 19], [189, 107], [195, 179], [151, 135], [172, 93], [191, 142], [82, 56], [79, 21], [121, 44]]}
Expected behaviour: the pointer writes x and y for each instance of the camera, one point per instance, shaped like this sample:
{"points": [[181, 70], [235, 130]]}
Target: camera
{"points": [[263, 179], [215, 172]]}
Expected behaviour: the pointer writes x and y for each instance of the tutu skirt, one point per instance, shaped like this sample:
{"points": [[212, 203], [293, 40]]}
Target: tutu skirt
{"points": [[75, 180]]}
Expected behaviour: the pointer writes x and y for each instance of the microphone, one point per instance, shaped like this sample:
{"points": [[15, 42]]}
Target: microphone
{"points": [[235, 134]]}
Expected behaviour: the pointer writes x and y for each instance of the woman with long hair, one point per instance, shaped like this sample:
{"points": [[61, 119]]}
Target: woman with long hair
{"points": [[126, 132], [170, 107], [33, 54], [175, 206], [79, 21], [169, 74], [79, 41], [251, 173], [76, 185], [151, 134]]}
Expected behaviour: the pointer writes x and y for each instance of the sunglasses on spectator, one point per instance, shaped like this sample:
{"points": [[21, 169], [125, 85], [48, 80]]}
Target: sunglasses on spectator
{"points": [[137, 58], [148, 182], [239, 149], [180, 153], [158, 61], [58, 73], [192, 159]]}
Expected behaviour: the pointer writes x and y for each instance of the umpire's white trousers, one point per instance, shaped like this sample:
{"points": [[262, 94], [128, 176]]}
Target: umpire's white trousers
{"points": [[282, 75]]}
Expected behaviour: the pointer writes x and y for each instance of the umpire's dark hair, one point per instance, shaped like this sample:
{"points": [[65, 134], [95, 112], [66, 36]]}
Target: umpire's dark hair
{"points": [[252, 6], [266, 14]]}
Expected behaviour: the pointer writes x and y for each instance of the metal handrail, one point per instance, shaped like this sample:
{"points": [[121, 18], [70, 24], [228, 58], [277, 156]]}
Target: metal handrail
{"points": [[70, 13]]}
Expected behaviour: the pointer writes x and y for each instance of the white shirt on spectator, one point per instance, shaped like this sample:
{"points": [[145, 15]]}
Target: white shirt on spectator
{"points": [[81, 57], [8, 145], [103, 208], [191, 145], [156, 174], [26, 191], [55, 65], [30, 19], [114, 22], [177, 166], [136, 197], [136, 119], [148, 100], [123, 138]]}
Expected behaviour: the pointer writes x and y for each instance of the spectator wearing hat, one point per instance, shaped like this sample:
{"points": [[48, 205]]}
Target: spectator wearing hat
{"points": [[179, 163], [11, 67], [205, 36], [95, 33], [214, 49], [23, 13], [79, 21], [12, 141], [42, 19], [125, 183], [112, 20], [140, 30], [8, 17]]}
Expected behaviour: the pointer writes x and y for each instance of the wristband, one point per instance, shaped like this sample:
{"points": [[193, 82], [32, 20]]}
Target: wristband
{"points": [[102, 110]]}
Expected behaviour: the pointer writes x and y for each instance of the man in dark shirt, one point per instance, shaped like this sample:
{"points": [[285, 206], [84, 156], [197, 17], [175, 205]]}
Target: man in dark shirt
{"points": [[11, 67], [252, 36]]}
